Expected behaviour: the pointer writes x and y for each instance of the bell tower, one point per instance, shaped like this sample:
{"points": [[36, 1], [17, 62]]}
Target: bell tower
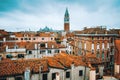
{"points": [[66, 21]]}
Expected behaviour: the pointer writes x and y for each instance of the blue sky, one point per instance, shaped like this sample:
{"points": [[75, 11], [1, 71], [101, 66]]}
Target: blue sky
{"points": [[22, 15]]}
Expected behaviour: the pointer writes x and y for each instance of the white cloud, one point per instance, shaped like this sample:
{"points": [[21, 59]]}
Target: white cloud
{"points": [[52, 15]]}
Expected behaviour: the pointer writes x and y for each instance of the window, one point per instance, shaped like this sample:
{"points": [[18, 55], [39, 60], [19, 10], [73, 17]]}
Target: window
{"points": [[42, 38], [98, 46], [53, 76], [92, 51], [107, 54], [9, 56], [20, 55], [56, 51], [51, 38], [44, 77], [98, 54], [25, 39], [3, 79], [18, 78], [16, 38], [33, 38], [30, 52], [92, 38], [49, 51], [103, 38], [42, 45], [85, 46], [92, 45], [80, 72], [67, 74], [103, 46], [21, 38], [42, 51], [102, 54]]}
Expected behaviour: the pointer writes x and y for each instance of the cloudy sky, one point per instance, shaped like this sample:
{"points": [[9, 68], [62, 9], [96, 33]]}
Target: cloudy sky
{"points": [[22, 15]]}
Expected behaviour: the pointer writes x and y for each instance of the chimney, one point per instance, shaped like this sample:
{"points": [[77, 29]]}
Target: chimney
{"points": [[4, 39], [6, 47], [106, 32], [46, 45]]}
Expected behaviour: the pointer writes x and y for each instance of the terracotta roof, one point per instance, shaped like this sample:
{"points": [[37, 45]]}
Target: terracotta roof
{"points": [[91, 58], [54, 63], [60, 61], [46, 35], [22, 34], [3, 33], [50, 45], [14, 67], [67, 60], [28, 34]]}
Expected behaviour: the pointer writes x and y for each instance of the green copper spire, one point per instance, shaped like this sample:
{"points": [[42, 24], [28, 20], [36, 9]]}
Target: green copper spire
{"points": [[66, 16], [66, 13]]}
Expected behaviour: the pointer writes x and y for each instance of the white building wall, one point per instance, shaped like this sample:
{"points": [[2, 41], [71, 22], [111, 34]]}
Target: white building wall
{"points": [[10, 78], [92, 75], [117, 68], [35, 77]]}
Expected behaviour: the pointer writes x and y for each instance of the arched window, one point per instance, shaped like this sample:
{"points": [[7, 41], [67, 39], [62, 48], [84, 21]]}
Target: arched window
{"points": [[102, 54], [98, 46], [98, 54], [103, 46]]}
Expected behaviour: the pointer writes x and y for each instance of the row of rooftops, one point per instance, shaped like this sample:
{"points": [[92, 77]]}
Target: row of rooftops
{"points": [[33, 45], [98, 30], [97, 35], [59, 61], [93, 30]]}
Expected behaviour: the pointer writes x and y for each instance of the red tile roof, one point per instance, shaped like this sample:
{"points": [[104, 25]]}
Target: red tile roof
{"points": [[60, 61]]}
